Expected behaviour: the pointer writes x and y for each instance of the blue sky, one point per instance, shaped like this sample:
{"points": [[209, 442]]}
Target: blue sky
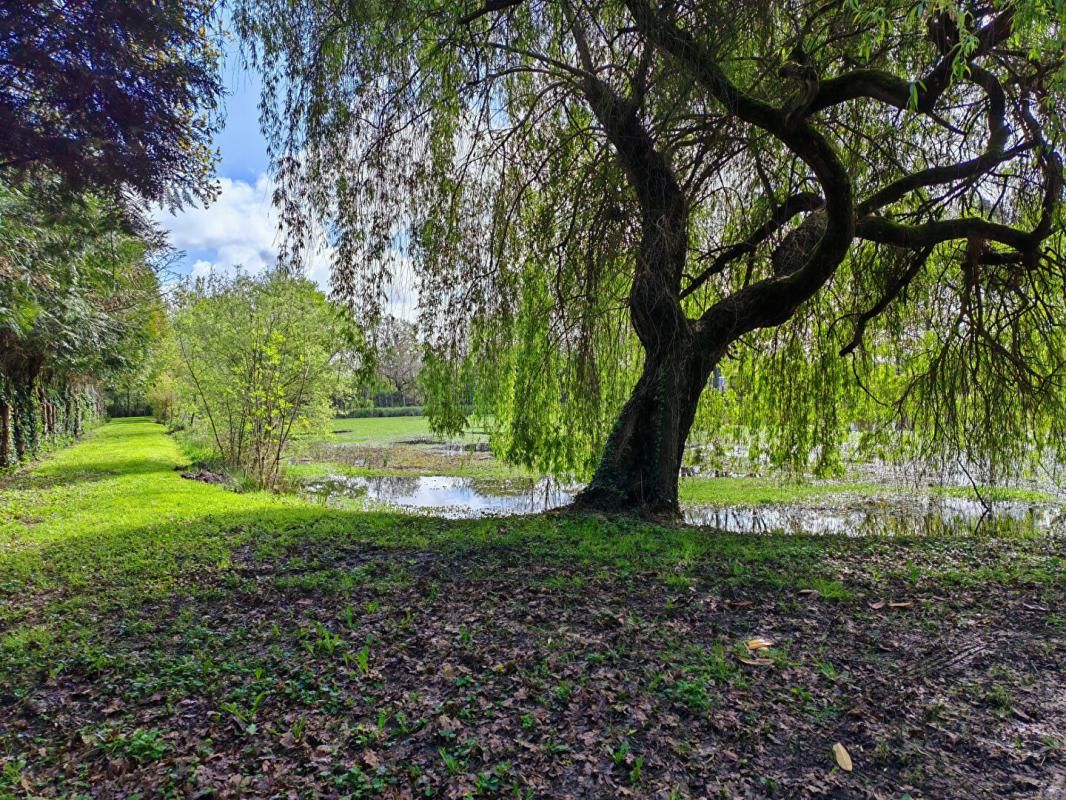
{"points": [[243, 149], [240, 228]]}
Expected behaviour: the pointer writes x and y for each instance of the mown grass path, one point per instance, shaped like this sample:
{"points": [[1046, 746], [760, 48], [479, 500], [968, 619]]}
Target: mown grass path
{"points": [[161, 637]]}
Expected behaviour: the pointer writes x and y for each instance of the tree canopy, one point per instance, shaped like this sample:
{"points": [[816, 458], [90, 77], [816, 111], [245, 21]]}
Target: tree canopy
{"points": [[254, 359], [79, 306], [851, 209], [111, 95]]}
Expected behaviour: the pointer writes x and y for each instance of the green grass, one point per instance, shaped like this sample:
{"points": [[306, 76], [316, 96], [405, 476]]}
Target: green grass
{"points": [[113, 512], [120, 576], [386, 430], [110, 522], [995, 493], [112, 517], [109, 526], [758, 491]]}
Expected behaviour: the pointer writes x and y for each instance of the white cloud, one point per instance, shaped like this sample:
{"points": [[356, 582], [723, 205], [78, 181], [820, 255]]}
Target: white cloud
{"points": [[240, 230]]}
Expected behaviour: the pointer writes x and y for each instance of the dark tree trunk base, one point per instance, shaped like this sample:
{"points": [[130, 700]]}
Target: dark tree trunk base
{"points": [[604, 501], [638, 473]]}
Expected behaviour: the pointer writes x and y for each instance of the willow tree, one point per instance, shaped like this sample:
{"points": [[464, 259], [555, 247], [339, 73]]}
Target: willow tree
{"points": [[704, 171]]}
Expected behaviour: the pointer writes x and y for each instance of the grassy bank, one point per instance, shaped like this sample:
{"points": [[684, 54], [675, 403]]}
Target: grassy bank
{"points": [[168, 638]]}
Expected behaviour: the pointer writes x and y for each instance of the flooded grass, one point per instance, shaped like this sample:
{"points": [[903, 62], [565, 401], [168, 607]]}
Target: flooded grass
{"points": [[396, 463], [851, 515]]}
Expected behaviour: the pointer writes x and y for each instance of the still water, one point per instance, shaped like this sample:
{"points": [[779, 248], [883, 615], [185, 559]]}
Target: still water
{"points": [[461, 498]]}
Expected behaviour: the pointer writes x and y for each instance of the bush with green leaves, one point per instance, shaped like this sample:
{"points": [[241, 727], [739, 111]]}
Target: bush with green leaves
{"points": [[257, 362]]}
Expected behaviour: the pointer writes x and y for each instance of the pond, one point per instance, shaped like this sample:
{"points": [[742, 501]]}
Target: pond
{"points": [[852, 515], [455, 498]]}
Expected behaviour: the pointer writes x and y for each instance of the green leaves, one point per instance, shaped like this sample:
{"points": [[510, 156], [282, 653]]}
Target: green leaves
{"points": [[255, 363], [481, 159]]}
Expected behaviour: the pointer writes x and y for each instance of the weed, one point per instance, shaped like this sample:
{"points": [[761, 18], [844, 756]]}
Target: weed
{"points": [[245, 716], [348, 615], [830, 672], [141, 746], [636, 770], [452, 762], [999, 697], [362, 660]]}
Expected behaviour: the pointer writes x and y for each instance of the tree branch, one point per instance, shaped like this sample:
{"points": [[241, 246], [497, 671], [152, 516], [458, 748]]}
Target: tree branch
{"points": [[892, 291], [771, 301], [490, 7], [880, 85], [796, 204], [886, 231]]}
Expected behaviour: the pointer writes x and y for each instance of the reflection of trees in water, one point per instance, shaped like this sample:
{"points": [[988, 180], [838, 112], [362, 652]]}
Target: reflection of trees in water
{"points": [[392, 488], [895, 516], [937, 516]]}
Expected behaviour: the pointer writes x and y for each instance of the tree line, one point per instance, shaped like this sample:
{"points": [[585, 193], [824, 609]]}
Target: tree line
{"points": [[105, 107]]}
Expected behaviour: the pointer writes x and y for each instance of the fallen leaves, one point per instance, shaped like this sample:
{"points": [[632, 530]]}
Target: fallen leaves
{"points": [[842, 757], [877, 605], [757, 646], [756, 661], [759, 643], [493, 699]]}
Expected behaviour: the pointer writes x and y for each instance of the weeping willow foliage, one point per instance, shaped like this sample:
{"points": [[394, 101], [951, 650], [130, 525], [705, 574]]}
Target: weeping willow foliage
{"points": [[463, 141], [928, 385]]}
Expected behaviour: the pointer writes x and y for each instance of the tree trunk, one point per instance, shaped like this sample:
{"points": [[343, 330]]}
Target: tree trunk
{"points": [[6, 458], [639, 470]]}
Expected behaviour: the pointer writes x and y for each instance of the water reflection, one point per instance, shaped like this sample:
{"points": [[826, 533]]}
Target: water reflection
{"points": [[455, 498], [895, 516], [459, 498]]}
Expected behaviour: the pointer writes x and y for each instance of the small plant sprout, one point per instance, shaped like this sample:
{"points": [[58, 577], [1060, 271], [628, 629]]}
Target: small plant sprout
{"points": [[362, 660]]}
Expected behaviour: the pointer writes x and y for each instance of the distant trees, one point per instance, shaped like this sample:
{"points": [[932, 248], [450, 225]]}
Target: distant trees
{"points": [[399, 356], [382, 369], [256, 365], [110, 95]]}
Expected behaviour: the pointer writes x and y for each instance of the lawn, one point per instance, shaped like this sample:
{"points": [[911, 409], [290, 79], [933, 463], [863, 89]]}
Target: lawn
{"points": [[389, 430], [381, 429], [162, 637]]}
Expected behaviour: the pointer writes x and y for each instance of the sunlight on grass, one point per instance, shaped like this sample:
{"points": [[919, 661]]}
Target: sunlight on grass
{"points": [[110, 523], [389, 429]]}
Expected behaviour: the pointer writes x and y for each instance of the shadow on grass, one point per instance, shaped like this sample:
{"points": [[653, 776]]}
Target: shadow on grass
{"points": [[114, 565]]}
